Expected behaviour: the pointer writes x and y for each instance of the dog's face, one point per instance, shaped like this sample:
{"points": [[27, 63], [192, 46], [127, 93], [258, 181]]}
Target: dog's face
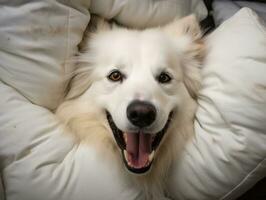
{"points": [[141, 80]]}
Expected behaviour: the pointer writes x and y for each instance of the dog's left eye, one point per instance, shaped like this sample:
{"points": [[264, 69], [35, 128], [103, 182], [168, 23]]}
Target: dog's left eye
{"points": [[164, 77], [115, 76]]}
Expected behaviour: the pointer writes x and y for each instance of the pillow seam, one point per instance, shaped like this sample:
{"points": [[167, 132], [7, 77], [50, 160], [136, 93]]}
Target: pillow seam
{"points": [[244, 179], [255, 18]]}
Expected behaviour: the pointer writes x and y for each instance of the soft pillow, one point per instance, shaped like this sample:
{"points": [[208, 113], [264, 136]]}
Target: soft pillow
{"points": [[223, 10], [130, 13], [228, 154], [37, 40]]}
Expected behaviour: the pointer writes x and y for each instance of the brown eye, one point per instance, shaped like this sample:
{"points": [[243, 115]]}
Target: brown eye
{"points": [[164, 78], [115, 76]]}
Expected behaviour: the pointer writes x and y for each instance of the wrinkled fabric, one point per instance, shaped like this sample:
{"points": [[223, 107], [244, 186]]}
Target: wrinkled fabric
{"points": [[223, 10], [228, 155]]}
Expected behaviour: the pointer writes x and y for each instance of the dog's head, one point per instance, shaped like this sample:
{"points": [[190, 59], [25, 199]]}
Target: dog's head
{"points": [[141, 80]]}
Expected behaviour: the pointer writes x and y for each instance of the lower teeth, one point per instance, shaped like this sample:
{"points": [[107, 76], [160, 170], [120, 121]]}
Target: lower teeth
{"points": [[151, 156]]}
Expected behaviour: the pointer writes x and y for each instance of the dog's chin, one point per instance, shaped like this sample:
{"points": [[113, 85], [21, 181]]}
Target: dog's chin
{"points": [[137, 148]]}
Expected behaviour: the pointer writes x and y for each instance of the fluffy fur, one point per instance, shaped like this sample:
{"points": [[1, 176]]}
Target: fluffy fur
{"points": [[141, 55]]}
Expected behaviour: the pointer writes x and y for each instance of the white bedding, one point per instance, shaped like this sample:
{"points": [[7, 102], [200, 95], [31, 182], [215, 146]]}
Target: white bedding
{"points": [[223, 10], [228, 155], [38, 162]]}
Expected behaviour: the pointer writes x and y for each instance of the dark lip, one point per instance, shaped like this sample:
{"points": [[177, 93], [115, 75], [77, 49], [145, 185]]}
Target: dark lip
{"points": [[118, 135]]}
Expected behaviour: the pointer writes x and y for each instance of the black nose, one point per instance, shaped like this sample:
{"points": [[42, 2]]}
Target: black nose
{"points": [[141, 113]]}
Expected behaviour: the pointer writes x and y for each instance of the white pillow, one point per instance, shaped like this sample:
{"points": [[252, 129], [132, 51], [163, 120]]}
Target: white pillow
{"points": [[155, 12], [223, 10], [228, 154], [37, 39]]}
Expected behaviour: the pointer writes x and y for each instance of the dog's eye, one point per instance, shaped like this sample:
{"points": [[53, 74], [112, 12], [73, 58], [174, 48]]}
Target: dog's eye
{"points": [[115, 76], [164, 78]]}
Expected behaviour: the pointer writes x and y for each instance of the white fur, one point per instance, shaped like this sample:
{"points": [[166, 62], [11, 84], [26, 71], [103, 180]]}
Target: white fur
{"points": [[140, 56]]}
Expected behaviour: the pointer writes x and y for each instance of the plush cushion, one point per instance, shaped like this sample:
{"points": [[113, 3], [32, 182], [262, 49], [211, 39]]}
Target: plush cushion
{"points": [[228, 154], [37, 39], [223, 10], [157, 12]]}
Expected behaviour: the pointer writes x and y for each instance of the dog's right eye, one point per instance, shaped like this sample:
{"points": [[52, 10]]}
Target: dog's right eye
{"points": [[115, 76], [164, 77]]}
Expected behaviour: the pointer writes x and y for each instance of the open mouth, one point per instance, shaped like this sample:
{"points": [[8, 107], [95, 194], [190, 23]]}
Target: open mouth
{"points": [[138, 148]]}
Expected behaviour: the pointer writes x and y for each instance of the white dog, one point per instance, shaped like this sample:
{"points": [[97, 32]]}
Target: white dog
{"points": [[133, 97]]}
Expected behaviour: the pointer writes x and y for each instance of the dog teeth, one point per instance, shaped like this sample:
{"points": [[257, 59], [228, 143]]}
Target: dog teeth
{"points": [[125, 137], [125, 154], [151, 156], [128, 162]]}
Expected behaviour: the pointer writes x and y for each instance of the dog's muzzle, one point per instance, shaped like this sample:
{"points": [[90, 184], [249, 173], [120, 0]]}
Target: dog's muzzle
{"points": [[138, 148]]}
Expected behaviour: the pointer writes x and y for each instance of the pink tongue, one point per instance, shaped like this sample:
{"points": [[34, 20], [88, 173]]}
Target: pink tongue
{"points": [[138, 148]]}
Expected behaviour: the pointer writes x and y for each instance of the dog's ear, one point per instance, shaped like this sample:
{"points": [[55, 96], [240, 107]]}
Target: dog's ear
{"points": [[187, 26], [78, 84], [188, 37]]}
